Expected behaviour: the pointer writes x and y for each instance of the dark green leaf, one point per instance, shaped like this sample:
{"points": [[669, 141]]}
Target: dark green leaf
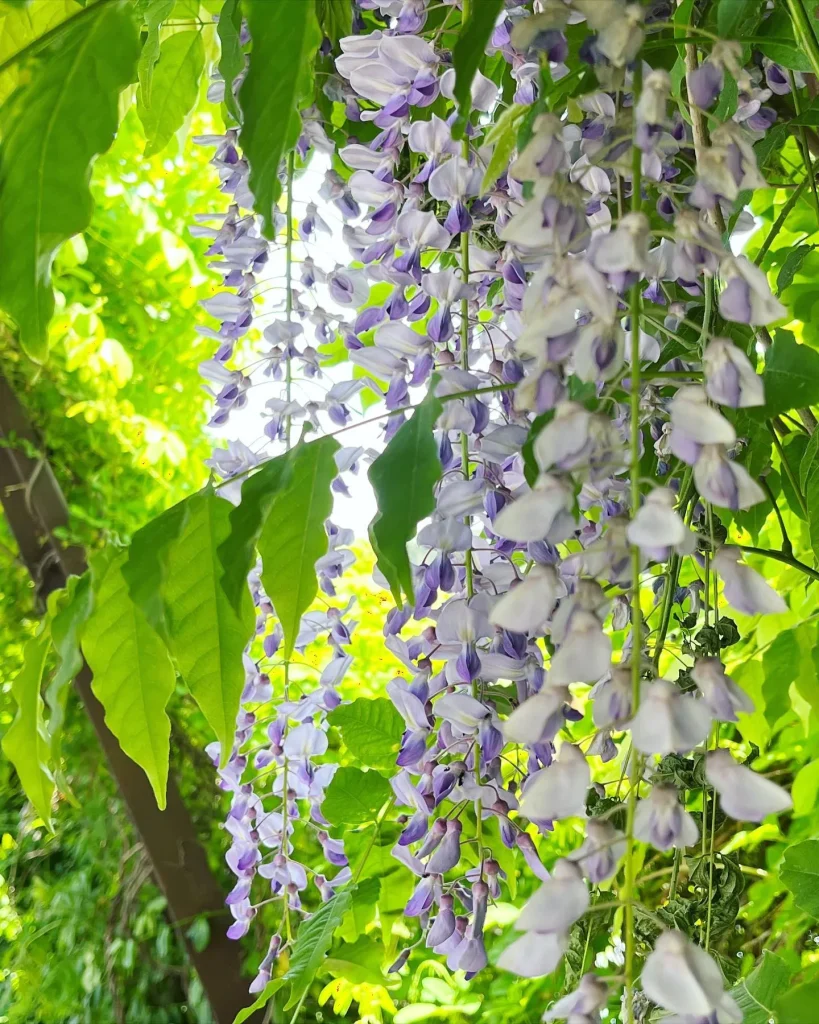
{"points": [[25, 743], [790, 268], [133, 676], [370, 730], [810, 460], [798, 1005], [403, 478], [791, 375], [174, 88], [799, 871], [756, 994], [293, 537], [468, 52], [154, 14], [53, 128], [354, 796], [145, 566], [809, 116], [206, 635], [314, 938], [285, 37], [232, 59], [780, 666], [238, 552]]}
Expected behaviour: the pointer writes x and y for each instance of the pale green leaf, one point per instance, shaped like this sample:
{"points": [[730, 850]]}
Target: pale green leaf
{"points": [[354, 796], [468, 52], [314, 938], [805, 789], [756, 994], [503, 136], [738, 17], [25, 743], [174, 88], [790, 268], [133, 676], [370, 730], [154, 14], [780, 668], [403, 478], [206, 635], [53, 128], [232, 59], [20, 26], [799, 871], [754, 727], [285, 37], [293, 537]]}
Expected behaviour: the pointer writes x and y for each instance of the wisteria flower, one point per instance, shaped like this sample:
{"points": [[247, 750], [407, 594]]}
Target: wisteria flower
{"points": [[744, 794]]}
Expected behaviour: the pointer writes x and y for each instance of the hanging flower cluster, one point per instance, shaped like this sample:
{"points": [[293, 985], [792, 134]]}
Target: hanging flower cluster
{"points": [[571, 310]]}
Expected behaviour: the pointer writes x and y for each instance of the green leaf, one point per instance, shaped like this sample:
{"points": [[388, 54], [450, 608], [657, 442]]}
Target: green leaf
{"points": [[232, 59], [206, 636], [738, 17], [809, 116], [754, 727], [794, 447], [293, 537], [238, 552], [756, 994], [270, 989], [469, 50], [174, 88], [354, 796], [369, 729], [403, 479], [335, 18], [798, 1005], [145, 567], [790, 268], [53, 128], [25, 743], [70, 609], [133, 676], [810, 461], [285, 37], [780, 667], [359, 962], [799, 871], [785, 51], [154, 14], [503, 135], [791, 375], [314, 938], [805, 789]]}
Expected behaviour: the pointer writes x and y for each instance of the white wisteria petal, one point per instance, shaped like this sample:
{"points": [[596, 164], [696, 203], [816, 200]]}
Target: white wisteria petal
{"points": [[532, 516], [590, 996], [723, 482], [657, 524], [558, 903], [743, 793], [730, 379], [724, 698], [539, 718], [534, 955], [682, 977], [668, 721], [661, 820], [744, 588], [584, 655], [691, 413], [558, 791], [528, 605]]}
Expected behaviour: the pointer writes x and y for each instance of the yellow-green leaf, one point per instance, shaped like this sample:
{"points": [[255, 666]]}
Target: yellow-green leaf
{"points": [[26, 743], [133, 676], [173, 90]]}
